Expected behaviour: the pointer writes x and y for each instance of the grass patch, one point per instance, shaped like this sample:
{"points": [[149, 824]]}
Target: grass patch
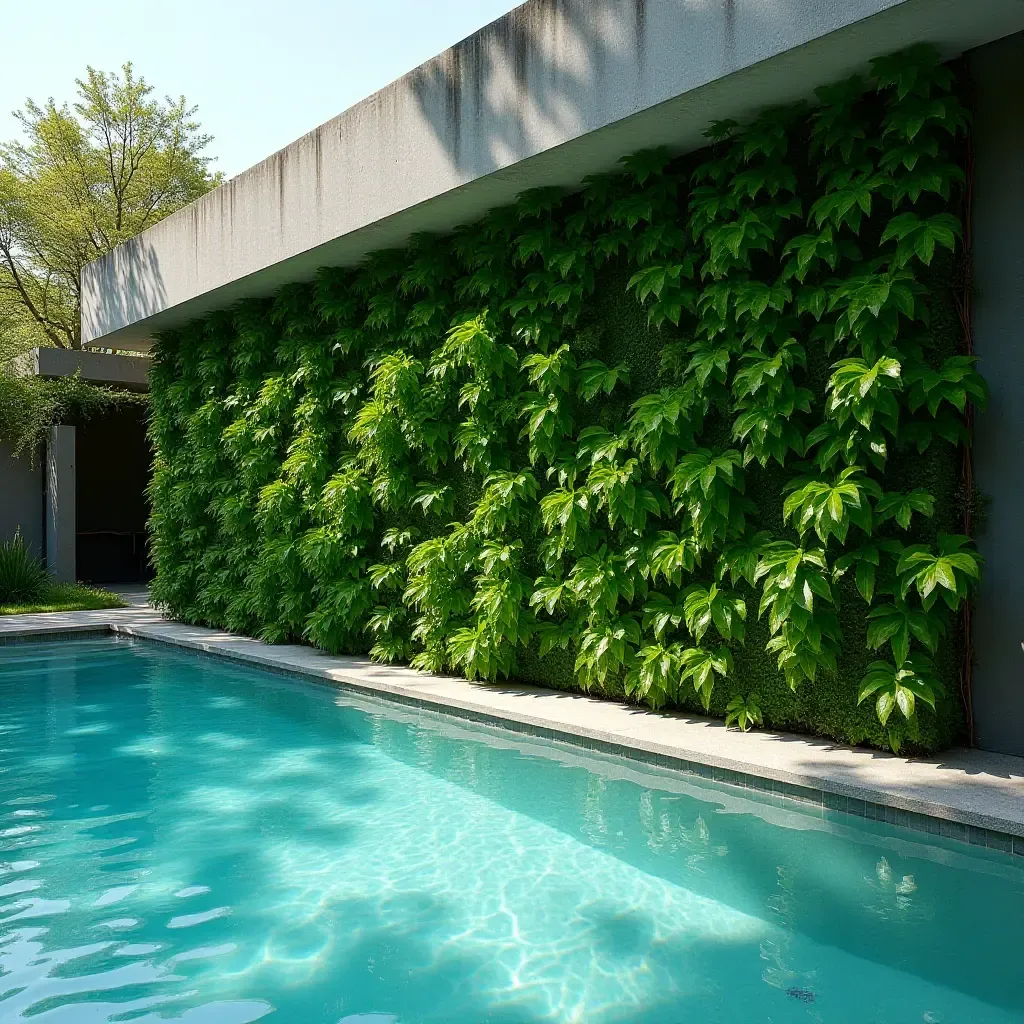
{"points": [[66, 597]]}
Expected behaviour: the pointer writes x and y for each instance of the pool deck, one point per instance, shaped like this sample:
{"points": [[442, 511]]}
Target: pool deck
{"points": [[964, 794]]}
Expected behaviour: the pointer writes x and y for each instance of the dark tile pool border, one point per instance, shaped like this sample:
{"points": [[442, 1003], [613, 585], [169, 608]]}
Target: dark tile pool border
{"points": [[818, 801], [63, 633]]}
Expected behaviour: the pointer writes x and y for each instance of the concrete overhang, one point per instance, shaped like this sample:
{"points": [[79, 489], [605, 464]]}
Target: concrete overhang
{"points": [[129, 373], [555, 90]]}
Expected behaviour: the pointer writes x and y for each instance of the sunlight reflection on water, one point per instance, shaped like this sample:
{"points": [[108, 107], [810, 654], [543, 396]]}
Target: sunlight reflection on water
{"points": [[234, 846]]}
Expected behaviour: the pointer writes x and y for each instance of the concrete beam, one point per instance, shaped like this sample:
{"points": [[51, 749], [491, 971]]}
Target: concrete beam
{"points": [[128, 372], [555, 90]]}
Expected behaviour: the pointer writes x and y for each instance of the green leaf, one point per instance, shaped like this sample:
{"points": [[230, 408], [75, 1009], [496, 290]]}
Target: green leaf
{"points": [[899, 687], [902, 506], [743, 711], [948, 573], [917, 237], [704, 606], [701, 666], [595, 377]]}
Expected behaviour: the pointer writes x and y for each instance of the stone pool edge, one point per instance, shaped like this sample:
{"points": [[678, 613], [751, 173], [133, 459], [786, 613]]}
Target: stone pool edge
{"points": [[979, 802]]}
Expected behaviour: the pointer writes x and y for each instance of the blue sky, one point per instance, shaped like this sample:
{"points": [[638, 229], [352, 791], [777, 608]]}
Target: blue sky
{"points": [[263, 72]]}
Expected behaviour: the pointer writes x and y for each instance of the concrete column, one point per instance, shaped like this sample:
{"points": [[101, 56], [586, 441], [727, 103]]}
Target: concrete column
{"points": [[61, 519], [998, 255]]}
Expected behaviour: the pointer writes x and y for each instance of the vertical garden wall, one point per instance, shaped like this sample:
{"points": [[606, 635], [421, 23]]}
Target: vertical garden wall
{"points": [[692, 435]]}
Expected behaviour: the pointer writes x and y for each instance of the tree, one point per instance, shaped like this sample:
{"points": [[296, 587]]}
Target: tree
{"points": [[82, 180]]}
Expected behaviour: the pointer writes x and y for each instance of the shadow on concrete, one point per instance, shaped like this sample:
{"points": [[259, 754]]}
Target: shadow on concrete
{"points": [[124, 286]]}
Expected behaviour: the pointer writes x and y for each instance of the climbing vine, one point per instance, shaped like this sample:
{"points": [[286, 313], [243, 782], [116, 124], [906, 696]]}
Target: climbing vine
{"points": [[689, 435]]}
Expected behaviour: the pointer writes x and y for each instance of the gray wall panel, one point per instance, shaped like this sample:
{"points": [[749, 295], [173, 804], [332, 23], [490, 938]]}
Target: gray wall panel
{"points": [[998, 251], [21, 498]]}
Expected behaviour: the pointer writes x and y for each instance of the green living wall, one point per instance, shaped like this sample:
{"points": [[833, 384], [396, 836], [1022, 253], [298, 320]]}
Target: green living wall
{"points": [[691, 435]]}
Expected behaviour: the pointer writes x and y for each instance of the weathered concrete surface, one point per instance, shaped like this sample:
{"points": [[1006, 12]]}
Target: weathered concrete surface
{"points": [[61, 499], [997, 247], [968, 787], [128, 372], [555, 90], [21, 498]]}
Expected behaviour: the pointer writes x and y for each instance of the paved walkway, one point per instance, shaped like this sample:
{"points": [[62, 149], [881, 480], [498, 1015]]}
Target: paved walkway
{"points": [[969, 787]]}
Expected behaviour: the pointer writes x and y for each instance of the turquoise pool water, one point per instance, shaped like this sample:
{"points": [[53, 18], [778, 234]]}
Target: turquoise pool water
{"points": [[185, 839]]}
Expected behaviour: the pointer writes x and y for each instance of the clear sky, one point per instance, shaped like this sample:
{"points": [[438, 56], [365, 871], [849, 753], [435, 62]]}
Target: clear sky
{"points": [[262, 72]]}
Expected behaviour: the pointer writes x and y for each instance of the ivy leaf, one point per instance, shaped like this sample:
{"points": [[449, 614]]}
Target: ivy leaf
{"points": [[901, 507], [918, 237], [710, 487], [956, 382], [831, 507], [760, 368], [597, 444], [595, 377], [662, 614], [743, 711], [701, 666], [654, 675], [905, 120], [704, 606], [558, 634], [658, 425], [565, 512], [901, 688], [752, 298], [671, 556], [709, 362], [606, 649], [915, 71], [847, 202], [809, 249], [647, 163], [931, 177], [550, 593], [897, 623], [907, 154], [771, 178], [867, 558], [740, 558], [653, 278], [536, 202], [551, 371], [793, 577], [387, 576], [947, 572], [864, 391], [631, 209]]}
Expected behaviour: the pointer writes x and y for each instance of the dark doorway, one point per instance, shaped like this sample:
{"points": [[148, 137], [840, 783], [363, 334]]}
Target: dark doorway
{"points": [[113, 465]]}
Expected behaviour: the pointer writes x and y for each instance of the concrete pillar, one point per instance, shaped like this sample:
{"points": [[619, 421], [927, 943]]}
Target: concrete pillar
{"points": [[61, 519], [998, 256]]}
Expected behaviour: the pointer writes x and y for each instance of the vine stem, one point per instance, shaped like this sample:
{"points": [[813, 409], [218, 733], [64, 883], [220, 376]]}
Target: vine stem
{"points": [[964, 308]]}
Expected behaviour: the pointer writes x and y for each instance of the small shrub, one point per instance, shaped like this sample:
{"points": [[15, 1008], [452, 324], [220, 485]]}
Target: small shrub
{"points": [[22, 576]]}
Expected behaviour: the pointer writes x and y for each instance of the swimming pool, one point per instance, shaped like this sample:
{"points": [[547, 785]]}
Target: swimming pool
{"points": [[186, 838]]}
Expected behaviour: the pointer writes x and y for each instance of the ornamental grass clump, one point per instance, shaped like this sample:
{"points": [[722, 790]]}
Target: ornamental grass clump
{"points": [[22, 576]]}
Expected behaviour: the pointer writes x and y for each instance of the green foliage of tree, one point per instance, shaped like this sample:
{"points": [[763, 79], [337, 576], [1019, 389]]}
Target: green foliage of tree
{"points": [[577, 441], [82, 179]]}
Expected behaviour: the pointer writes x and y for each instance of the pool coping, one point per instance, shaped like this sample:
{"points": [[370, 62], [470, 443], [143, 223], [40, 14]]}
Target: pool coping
{"points": [[967, 795]]}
